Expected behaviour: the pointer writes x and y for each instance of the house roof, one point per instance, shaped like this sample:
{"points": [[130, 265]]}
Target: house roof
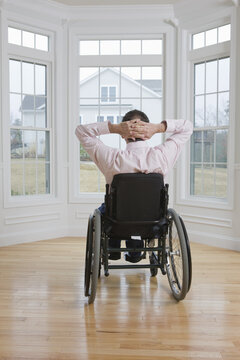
{"points": [[152, 86], [28, 103]]}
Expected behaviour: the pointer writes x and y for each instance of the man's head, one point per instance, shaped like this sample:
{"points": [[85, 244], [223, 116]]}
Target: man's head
{"points": [[135, 114]]}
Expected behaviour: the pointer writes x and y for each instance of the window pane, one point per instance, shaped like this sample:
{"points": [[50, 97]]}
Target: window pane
{"points": [[91, 179], [199, 79], [198, 40], [110, 78], [211, 76], [42, 145], [153, 109], [224, 33], [89, 82], [151, 81], [221, 145], [211, 110], [15, 109], [14, 36], [30, 176], [208, 146], [16, 177], [131, 47], [221, 181], [40, 79], [152, 47], [130, 81], [199, 111], [211, 37], [208, 180], [40, 111], [29, 144], [110, 118], [42, 42], [43, 173], [28, 110], [27, 78], [223, 75], [15, 76], [110, 47], [28, 39], [89, 47], [196, 146], [100, 118], [196, 180], [104, 93], [112, 93], [223, 108], [16, 144]]}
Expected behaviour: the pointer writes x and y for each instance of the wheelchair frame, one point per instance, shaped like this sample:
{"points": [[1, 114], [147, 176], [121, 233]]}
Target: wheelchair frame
{"points": [[164, 256]]}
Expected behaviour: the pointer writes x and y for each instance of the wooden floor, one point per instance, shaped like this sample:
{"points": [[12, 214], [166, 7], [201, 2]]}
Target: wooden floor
{"points": [[44, 315]]}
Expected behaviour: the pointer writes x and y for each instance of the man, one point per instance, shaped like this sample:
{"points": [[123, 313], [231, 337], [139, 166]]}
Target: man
{"points": [[138, 156]]}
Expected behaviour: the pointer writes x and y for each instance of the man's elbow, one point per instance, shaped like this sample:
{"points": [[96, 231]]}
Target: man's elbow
{"points": [[78, 131], [189, 126]]}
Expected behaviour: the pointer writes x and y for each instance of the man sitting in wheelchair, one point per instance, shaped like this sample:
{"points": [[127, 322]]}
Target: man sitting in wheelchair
{"points": [[138, 157]]}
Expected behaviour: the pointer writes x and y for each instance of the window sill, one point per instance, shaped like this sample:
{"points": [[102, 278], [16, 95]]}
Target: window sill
{"points": [[88, 198], [203, 202], [26, 201]]}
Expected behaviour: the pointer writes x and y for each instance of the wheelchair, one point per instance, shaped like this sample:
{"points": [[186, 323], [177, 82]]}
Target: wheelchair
{"points": [[137, 206]]}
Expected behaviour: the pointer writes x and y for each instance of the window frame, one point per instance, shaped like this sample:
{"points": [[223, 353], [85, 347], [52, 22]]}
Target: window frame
{"points": [[208, 53], [22, 53], [167, 34]]}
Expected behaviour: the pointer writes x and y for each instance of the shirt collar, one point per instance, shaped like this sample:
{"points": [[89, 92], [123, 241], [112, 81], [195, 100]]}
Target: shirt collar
{"points": [[136, 145]]}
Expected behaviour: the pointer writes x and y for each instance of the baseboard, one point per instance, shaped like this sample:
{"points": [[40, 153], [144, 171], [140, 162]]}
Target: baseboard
{"points": [[32, 236], [222, 241]]}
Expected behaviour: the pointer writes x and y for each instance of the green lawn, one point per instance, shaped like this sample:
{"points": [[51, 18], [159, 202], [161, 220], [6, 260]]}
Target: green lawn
{"points": [[91, 180]]}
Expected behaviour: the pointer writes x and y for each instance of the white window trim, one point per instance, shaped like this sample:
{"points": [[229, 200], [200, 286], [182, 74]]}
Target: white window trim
{"points": [[166, 32], [210, 52], [33, 55]]}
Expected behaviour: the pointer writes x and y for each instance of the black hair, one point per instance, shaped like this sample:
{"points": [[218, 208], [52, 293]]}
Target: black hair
{"points": [[135, 114]]}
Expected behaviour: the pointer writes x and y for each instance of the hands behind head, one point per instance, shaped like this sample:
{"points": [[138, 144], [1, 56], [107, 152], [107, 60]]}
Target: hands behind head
{"points": [[137, 129]]}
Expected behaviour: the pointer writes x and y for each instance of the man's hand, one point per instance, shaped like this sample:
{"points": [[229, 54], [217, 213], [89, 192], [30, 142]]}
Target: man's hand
{"points": [[145, 131], [136, 128], [125, 129]]}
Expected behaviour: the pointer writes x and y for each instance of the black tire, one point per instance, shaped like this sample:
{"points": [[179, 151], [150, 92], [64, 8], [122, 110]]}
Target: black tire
{"points": [[153, 270], [177, 266], [95, 256], [88, 255], [189, 253]]}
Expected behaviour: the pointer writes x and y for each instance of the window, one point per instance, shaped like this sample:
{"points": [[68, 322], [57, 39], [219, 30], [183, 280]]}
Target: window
{"points": [[28, 39], [120, 47], [211, 124], [29, 132], [106, 93], [211, 37]]}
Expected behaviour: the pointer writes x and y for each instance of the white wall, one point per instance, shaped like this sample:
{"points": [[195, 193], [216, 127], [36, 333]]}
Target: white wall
{"points": [[65, 214]]}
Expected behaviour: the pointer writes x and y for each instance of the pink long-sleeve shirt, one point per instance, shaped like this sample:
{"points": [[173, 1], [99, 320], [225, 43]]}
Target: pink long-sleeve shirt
{"points": [[138, 156]]}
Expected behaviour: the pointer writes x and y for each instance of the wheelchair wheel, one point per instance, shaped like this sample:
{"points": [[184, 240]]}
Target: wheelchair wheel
{"points": [[93, 256], [177, 266], [88, 255], [189, 253]]}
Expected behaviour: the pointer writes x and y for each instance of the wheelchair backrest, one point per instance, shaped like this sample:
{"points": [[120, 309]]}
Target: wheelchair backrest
{"points": [[136, 197]]}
